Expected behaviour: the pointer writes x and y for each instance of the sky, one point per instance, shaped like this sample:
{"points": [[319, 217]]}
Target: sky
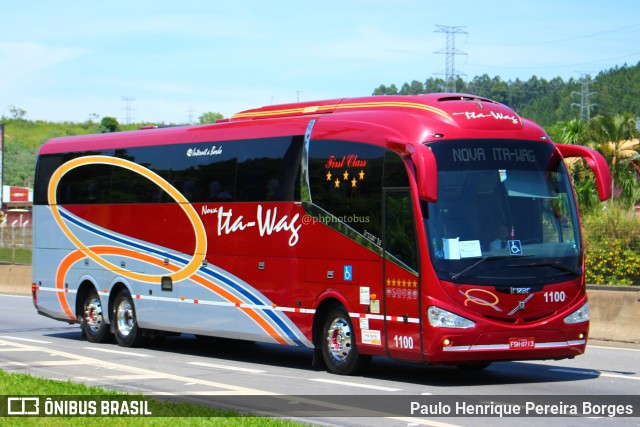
{"points": [[174, 60]]}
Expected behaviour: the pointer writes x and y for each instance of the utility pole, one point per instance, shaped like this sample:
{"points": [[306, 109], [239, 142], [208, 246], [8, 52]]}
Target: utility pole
{"points": [[128, 109], [450, 53], [585, 105]]}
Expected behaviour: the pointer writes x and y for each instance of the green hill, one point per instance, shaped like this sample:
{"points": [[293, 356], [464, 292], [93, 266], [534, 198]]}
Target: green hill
{"points": [[546, 101]]}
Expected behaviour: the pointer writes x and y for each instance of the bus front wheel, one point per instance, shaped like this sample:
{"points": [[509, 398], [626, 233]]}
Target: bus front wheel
{"points": [[127, 332], [339, 349]]}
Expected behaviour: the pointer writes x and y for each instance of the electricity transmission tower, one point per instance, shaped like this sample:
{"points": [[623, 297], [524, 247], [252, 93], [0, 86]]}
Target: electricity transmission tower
{"points": [[450, 53], [585, 105], [128, 109], [190, 113]]}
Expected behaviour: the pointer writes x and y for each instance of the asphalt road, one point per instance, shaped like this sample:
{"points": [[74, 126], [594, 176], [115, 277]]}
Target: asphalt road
{"points": [[197, 370]]}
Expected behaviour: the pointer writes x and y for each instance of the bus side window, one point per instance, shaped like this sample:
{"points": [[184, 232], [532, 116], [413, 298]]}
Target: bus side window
{"points": [[345, 180], [268, 170]]}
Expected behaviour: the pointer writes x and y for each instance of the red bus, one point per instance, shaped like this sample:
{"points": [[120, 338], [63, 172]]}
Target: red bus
{"points": [[437, 229]]}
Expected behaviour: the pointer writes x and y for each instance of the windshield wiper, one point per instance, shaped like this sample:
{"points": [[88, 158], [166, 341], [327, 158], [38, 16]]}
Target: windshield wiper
{"points": [[474, 265], [555, 265]]}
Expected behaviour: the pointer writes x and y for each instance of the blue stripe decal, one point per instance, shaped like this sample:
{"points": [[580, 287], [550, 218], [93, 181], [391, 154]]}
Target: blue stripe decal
{"points": [[235, 286], [273, 316]]}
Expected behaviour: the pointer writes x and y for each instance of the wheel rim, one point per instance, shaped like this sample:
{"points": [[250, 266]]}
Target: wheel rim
{"points": [[339, 339], [93, 315], [125, 318]]}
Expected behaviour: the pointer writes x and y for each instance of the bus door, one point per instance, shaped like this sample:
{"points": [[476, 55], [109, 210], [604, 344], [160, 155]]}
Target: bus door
{"points": [[401, 282]]}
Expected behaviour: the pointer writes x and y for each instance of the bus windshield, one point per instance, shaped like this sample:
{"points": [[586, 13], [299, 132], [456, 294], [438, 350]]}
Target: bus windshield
{"points": [[505, 214]]}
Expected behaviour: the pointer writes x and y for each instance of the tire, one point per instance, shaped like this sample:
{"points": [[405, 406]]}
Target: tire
{"points": [[92, 320], [124, 320], [339, 349]]}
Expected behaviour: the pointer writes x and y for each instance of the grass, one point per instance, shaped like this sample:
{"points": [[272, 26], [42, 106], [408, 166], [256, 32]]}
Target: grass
{"points": [[165, 413], [21, 256]]}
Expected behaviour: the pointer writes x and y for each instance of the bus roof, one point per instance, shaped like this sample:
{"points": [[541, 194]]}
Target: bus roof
{"points": [[412, 119]]}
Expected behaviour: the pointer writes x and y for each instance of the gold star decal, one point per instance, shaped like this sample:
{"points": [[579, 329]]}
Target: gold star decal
{"points": [[345, 175], [353, 183], [337, 183], [329, 176], [361, 174]]}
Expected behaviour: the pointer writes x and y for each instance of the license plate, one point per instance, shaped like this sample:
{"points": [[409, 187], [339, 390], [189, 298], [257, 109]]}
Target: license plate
{"points": [[522, 343]]}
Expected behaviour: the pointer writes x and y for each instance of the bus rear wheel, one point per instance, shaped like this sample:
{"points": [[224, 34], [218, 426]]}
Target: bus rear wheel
{"points": [[125, 323], [92, 320], [339, 349]]}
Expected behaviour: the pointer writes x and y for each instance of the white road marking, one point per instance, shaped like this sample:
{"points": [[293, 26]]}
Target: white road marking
{"points": [[119, 366], [422, 421], [596, 374], [108, 350], [26, 340], [226, 367], [350, 384], [223, 389], [13, 364], [54, 363], [612, 348], [134, 376]]}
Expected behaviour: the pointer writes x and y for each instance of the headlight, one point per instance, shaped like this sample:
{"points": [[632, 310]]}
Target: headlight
{"points": [[445, 319], [578, 316]]}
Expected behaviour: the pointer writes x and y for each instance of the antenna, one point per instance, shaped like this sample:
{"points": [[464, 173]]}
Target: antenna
{"points": [[450, 53]]}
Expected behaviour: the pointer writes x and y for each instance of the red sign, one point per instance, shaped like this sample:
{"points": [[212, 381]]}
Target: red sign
{"points": [[18, 194]]}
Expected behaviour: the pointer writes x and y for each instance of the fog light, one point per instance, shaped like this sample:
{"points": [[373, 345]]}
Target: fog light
{"points": [[446, 342], [581, 336]]}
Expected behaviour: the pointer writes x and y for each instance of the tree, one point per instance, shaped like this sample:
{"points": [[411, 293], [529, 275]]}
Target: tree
{"points": [[415, 88], [109, 124], [575, 132], [17, 113], [209, 117], [616, 138], [435, 85], [384, 90]]}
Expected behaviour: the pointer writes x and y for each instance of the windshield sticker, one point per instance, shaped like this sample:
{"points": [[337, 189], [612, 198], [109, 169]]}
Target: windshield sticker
{"points": [[515, 247], [457, 249], [470, 249]]}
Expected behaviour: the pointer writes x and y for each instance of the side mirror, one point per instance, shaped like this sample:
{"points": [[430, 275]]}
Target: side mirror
{"points": [[596, 162], [426, 173]]}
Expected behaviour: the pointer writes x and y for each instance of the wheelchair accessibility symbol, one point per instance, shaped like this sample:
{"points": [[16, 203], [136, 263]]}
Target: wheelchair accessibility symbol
{"points": [[515, 247], [348, 273]]}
